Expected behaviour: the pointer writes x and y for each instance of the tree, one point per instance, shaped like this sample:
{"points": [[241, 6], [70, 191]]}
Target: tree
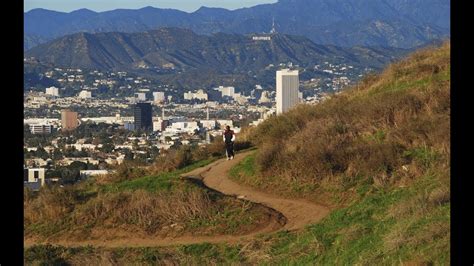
{"points": [[107, 147], [135, 144], [77, 165], [69, 176], [128, 155], [154, 152], [41, 153]]}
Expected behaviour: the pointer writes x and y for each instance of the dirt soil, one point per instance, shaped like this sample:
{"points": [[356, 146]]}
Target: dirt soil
{"points": [[286, 214]]}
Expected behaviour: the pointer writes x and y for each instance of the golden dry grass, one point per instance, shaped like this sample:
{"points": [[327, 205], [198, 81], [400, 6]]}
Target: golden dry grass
{"points": [[388, 128]]}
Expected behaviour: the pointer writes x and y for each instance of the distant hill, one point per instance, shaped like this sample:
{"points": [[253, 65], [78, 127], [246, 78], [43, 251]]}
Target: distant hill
{"points": [[396, 23], [184, 50]]}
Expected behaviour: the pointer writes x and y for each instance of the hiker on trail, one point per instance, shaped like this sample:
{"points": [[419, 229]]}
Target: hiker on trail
{"points": [[229, 137]]}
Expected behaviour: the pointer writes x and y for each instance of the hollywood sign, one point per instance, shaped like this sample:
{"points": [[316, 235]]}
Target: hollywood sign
{"points": [[261, 38]]}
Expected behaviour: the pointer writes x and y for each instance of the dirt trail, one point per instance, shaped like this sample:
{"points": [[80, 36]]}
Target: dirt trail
{"points": [[297, 213]]}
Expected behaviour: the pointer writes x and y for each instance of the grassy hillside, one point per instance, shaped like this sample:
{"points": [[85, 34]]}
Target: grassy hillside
{"points": [[385, 132], [134, 202], [378, 154]]}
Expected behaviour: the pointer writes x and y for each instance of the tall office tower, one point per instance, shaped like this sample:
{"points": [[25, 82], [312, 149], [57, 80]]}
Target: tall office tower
{"points": [[142, 116], [68, 120], [287, 83]]}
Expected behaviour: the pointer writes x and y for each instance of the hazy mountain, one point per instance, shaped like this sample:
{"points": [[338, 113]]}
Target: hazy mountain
{"points": [[185, 50], [397, 23]]}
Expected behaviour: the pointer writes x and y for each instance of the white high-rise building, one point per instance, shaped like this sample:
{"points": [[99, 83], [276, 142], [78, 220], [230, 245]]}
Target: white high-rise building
{"points": [[53, 91], [287, 88]]}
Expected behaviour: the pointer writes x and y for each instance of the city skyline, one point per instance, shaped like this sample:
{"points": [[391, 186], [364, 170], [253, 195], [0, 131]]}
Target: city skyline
{"points": [[106, 5]]}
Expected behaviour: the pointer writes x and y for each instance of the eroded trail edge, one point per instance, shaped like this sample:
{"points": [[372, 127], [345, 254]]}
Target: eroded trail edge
{"points": [[289, 214], [298, 212]]}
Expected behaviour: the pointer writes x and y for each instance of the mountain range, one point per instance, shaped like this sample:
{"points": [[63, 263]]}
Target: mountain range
{"points": [[182, 49], [395, 23]]}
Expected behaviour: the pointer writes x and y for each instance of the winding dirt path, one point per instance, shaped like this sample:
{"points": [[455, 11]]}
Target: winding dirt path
{"points": [[298, 213], [291, 214]]}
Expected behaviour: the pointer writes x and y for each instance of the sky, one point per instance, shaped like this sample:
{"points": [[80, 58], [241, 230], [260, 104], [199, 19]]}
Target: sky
{"points": [[103, 5]]}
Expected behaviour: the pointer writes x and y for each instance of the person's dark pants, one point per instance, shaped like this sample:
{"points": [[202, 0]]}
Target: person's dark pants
{"points": [[230, 149]]}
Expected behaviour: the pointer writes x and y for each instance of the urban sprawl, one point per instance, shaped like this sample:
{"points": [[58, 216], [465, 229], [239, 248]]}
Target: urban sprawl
{"points": [[74, 133]]}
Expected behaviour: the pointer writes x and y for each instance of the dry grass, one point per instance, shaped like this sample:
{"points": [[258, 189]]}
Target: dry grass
{"points": [[51, 204], [396, 119], [256, 251], [145, 211], [440, 196], [132, 211]]}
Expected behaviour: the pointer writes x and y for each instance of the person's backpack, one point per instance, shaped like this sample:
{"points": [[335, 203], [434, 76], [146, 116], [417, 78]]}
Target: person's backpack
{"points": [[228, 136]]}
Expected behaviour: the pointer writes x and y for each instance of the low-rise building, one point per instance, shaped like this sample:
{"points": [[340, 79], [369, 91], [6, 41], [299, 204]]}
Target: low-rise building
{"points": [[159, 97], [34, 178], [41, 129], [222, 123], [199, 95], [88, 173], [85, 94], [53, 91], [208, 124], [140, 96]]}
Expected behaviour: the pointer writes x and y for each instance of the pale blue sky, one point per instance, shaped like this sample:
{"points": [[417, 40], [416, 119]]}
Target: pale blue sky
{"points": [[103, 5]]}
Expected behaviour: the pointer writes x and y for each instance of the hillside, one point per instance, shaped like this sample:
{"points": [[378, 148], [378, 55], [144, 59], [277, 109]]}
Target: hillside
{"points": [[145, 203], [380, 129], [184, 50], [341, 22], [377, 154], [380, 154]]}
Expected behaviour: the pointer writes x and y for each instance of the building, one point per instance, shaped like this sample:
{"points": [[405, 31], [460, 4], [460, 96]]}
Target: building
{"points": [[222, 123], [265, 97], [142, 116], [208, 124], [199, 95], [129, 126], [183, 127], [85, 94], [157, 125], [159, 97], [34, 178], [69, 120], [240, 99], [41, 129], [287, 83], [53, 91], [188, 95], [140, 96], [86, 173], [226, 91]]}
